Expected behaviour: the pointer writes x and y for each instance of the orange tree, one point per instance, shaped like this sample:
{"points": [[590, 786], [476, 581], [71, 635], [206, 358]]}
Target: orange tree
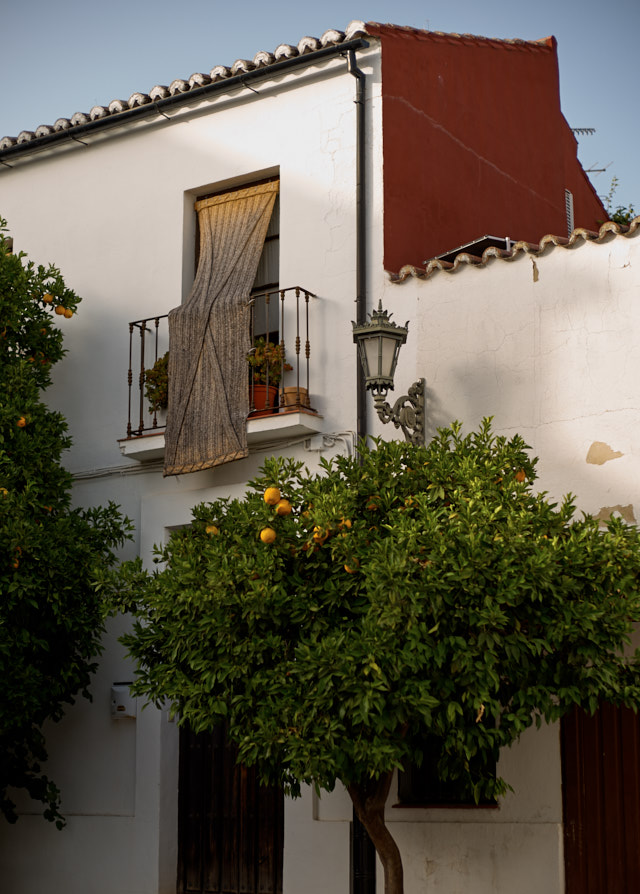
{"points": [[404, 593], [50, 614]]}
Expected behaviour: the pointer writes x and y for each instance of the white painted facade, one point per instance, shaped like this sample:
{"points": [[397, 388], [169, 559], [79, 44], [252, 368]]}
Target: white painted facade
{"points": [[553, 357]]}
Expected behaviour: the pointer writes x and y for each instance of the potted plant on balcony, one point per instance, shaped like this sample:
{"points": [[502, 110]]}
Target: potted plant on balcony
{"points": [[156, 388], [267, 363]]}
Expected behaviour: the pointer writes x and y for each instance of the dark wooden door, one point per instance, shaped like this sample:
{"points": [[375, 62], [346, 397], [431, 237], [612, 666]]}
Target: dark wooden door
{"points": [[230, 829], [601, 801]]}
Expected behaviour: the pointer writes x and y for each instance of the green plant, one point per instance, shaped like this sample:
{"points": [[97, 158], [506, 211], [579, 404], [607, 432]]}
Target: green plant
{"points": [[51, 616], [267, 361], [621, 214], [156, 384], [412, 591]]}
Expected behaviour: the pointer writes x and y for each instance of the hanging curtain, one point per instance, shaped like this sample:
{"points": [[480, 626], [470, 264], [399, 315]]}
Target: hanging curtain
{"points": [[209, 335]]}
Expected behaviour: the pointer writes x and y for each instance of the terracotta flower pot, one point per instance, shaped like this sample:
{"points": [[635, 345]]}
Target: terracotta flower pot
{"points": [[295, 397], [264, 400]]}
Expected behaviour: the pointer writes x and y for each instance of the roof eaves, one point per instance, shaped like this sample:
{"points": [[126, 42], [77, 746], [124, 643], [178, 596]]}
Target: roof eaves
{"points": [[120, 111], [578, 237]]}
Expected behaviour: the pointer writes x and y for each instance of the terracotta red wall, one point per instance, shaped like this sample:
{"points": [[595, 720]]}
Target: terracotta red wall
{"points": [[474, 143]]}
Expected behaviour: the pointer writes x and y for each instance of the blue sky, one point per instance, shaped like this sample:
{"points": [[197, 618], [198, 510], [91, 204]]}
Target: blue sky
{"points": [[58, 57]]}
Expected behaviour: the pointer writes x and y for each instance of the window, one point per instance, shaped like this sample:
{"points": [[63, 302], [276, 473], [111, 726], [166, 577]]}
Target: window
{"points": [[422, 787], [209, 334]]}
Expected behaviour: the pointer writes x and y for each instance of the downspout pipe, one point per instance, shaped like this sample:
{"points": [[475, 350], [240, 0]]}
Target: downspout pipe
{"points": [[363, 854], [361, 236]]}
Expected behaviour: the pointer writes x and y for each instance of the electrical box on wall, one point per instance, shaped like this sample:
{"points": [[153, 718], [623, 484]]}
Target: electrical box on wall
{"points": [[123, 704]]}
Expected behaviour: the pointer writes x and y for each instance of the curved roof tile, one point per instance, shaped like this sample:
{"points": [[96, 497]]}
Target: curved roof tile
{"points": [[179, 86], [240, 66], [160, 91], [219, 73], [331, 37], [198, 79], [138, 99], [285, 51], [262, 59], [118, 105], [578, 237], [308, 45]]}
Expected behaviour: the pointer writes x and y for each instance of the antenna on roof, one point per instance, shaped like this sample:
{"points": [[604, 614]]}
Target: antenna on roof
{"points": [[584, 131], [594, 170]]}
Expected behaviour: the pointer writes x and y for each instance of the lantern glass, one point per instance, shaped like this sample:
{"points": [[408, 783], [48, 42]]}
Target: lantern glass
{"points": [[379, 355], [379, 343]]}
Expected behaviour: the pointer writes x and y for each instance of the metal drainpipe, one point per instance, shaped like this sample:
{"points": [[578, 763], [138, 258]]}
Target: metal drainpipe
{"points": [[363, 855], [361, 243]]}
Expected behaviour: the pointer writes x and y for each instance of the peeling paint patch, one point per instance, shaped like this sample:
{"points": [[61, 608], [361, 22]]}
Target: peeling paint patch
{"points": [[624, 512], [600, 453], [536, 274]]}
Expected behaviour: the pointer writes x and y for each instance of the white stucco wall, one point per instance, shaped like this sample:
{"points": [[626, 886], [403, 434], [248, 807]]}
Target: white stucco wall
{"points": [[117, 218], [547, 345]]}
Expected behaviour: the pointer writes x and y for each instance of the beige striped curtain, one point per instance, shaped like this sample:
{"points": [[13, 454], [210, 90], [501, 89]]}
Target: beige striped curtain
{"points": [[209, 335]]}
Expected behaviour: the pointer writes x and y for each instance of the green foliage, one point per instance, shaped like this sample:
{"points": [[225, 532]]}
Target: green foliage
{"points": [[267, 361], [621, 214], [156, 384], [411, 591], [50, 615]]}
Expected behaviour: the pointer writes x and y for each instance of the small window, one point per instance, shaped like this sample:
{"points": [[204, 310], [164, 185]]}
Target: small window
{"points": [[422, 787], [568, 204]]}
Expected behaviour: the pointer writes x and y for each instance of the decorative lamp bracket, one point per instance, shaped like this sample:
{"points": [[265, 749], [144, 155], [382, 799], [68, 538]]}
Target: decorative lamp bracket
{"points": [[407, 413]]}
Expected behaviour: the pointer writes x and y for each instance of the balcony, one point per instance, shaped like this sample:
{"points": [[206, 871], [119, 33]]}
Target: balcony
{"points": [[278, 375]]}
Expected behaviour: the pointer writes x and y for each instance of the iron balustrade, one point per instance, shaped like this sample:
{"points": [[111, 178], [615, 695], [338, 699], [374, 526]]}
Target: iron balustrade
{"points": [[280, 316]]}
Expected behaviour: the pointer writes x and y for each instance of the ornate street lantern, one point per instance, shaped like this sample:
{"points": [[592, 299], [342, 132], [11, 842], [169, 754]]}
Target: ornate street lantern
{"points": [[379, 343]]}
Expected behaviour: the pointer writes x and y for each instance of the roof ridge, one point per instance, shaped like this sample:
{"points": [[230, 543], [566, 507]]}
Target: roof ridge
{"points": [[455, 37], [579, 236], [262, 59]]}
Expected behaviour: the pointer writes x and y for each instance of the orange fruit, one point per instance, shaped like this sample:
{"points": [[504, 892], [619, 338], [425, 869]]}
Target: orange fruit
{"points": [[351, 569], [15, 563], [520, 476], [212, 529], [267, 535], [60, 309], [68, 313], [345, 523], [4, 491], [47, 298], [21, 422], [272, 496], [320, 534], [284, 507]]}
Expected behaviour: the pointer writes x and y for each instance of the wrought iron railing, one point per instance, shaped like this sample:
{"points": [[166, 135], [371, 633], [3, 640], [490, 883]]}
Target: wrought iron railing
{"points": [[278, 316]]}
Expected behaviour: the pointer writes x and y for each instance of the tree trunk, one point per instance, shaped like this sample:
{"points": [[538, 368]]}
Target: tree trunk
{"points": [[369, 799]]}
